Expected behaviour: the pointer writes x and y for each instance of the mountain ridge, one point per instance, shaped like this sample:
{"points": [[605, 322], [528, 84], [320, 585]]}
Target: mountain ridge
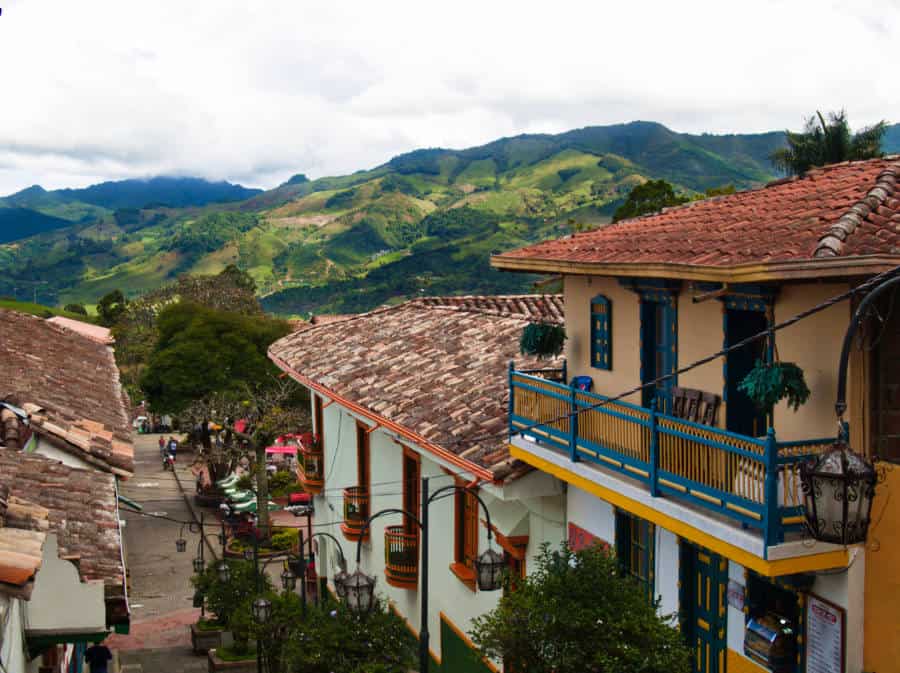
{"points": [[424, 221]]}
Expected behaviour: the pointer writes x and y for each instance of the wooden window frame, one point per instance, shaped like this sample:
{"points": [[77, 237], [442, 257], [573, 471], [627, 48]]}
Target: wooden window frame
{"points": [[634, 534], [364, 462], [412, 492], [465, 536], [601, 333], [319, 419]]}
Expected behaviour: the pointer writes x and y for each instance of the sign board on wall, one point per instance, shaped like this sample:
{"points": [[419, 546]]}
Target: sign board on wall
{"points": [[736, 595], [825, 633]]}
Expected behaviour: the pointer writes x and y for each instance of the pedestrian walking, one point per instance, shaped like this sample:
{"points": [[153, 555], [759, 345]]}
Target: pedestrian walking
{"points": [[98, 657]]}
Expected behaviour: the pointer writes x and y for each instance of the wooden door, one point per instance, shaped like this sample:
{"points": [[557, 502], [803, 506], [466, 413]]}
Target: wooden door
{"points": [[704, 580]]}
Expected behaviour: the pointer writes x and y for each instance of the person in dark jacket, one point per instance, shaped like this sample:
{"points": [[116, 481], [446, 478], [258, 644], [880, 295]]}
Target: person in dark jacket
{"points": [[98, 656]]}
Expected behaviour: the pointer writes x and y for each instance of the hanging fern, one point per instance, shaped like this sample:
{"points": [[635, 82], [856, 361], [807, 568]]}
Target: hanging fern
{"points": [[769, 383], [542, 340]]}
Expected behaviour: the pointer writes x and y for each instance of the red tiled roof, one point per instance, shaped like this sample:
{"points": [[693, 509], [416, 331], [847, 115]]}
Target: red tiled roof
{"points": [[842, 210], [23, 529], [436, 366], [80, 508], [69, 385]]}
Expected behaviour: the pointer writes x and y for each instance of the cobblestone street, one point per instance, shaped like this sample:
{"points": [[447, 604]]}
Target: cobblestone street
{"points": [[161, 594]]}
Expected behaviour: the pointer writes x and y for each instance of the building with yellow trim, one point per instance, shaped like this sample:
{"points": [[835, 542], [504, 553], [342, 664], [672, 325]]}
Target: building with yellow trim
{"points": [[695, 487]]}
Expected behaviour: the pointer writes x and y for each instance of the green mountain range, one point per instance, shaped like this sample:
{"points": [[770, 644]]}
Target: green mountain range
{"points": [[424, 222]]}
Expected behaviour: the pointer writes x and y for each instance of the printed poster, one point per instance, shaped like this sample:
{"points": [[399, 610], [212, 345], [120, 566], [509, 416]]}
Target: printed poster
{"points": [[824, 636]]}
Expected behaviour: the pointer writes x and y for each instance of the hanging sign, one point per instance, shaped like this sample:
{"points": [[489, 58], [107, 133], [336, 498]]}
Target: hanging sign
{"points": [[736, 595], [825, 632]]}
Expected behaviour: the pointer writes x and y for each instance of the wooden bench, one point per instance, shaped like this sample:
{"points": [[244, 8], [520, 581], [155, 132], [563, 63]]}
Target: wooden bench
{"points": [[695, 405]]}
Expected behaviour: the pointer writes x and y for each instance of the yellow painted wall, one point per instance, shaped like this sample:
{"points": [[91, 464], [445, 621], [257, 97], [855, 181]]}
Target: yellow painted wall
{"points": [[626, 325], [738, 663], [815, 344], [881, 652], [700, 333]]}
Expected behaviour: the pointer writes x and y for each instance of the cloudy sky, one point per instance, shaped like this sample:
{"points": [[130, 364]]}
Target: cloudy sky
{"points": [[254, 92]]}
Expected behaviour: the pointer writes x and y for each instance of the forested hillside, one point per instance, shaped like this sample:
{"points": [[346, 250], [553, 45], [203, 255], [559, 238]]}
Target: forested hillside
{"points": [[424, 222]]}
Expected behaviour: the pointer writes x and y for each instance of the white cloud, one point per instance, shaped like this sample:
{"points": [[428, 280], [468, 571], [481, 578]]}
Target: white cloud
{"points": [[106, 89]]}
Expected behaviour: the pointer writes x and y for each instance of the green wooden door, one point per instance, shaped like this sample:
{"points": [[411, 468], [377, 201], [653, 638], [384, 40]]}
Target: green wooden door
{"points": [[704, 580]]}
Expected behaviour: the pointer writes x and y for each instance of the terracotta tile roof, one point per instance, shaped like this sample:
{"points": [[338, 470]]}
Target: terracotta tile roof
{"points": [[844, 210], [99, 334], [23, 529], [436, 366], [69, 385], [81, 510]]}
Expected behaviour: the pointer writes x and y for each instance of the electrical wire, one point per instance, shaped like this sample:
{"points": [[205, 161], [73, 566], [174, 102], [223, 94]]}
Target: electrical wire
{"points": [[828, 303]]}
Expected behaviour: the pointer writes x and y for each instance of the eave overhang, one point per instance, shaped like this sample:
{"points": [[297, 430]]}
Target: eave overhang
{"points": [[805, 269]]}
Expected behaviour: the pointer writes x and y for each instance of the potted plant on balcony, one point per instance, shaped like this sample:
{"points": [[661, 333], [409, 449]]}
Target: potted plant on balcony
{"points": [[543, 340], [770, 382]]}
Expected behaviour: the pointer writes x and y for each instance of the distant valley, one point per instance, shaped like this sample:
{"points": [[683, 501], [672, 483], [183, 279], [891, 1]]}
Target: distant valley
{"points": [[424, 222]]}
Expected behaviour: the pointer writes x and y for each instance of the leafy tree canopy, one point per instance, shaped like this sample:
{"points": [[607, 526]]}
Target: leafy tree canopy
{"points": [[650, 197], [75, 308], [577, 614], [111, 307], [828, 142], [202, 351]]}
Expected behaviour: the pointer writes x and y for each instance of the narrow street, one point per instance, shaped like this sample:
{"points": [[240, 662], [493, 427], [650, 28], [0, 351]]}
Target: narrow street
{"points": [[160, 590]]}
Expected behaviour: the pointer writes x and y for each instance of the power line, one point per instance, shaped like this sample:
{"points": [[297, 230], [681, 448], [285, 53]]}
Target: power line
{"points": [[828, 303]]}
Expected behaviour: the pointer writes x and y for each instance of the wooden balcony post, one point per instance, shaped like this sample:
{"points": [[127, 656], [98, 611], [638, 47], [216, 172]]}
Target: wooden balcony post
{"points": [[573, 424], [774, 529], [654, 451], [512, 392]]}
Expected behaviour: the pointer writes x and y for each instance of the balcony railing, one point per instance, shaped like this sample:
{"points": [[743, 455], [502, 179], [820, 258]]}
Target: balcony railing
{"points": [[356, 511], [311, 472], [401, 557], [755, 481]]}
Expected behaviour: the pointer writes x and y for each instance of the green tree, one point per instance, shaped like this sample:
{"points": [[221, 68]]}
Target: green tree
{"points": [[75, 308], [239, 278], [202, 351], [650, 197], [111, 307], [576, 613], [830, 142]]}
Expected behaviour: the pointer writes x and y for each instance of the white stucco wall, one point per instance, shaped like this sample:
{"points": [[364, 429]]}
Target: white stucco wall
{"points": [[45, 448], [60, 601], [541, 518]]}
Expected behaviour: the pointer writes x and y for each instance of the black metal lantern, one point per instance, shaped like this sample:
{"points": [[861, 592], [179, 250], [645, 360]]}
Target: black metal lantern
{"points": [[198, 565], [340, 584], [224, 572], [490, 567], [288, 580], [180, 545], [198, 599], [360, 592], [262, 610], [838, 488]]}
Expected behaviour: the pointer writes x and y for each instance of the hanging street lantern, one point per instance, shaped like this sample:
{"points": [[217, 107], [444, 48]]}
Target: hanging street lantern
{"points": [[490, 567], [180, 545], [224, 572], [288, 580], [198, 565], [340, 584], [838, 488], [360, 592], [262, 610]]}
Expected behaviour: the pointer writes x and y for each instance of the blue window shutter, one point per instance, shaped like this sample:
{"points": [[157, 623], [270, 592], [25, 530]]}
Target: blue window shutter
{"points": [[601, 332]]}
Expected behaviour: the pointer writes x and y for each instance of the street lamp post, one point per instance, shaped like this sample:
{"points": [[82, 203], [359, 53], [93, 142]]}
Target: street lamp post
{"points": [[361, 588], [839, 485]]}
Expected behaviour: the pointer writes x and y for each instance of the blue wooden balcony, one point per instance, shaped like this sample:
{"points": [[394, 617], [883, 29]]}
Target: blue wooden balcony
{"points": [[752, 481]]}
